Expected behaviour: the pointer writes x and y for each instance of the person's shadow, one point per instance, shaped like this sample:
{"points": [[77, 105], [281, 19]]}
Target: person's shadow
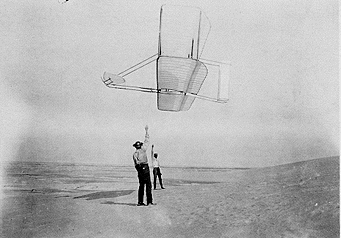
{"points": [[119, 203]]}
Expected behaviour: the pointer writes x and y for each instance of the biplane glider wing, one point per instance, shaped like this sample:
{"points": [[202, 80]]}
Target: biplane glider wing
{"points": [[181, 72]]}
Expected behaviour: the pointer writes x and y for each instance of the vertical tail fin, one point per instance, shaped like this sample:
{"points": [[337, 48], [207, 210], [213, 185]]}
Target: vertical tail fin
{"points": [[224, 78]]}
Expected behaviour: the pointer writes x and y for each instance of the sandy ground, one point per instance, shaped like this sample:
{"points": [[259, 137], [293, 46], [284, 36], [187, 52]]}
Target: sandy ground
{"points": [[294, 200]]}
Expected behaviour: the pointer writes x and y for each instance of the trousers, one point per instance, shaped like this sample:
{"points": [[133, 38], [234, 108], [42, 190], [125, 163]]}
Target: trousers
{"points": [[144, 181], [157, 173]]}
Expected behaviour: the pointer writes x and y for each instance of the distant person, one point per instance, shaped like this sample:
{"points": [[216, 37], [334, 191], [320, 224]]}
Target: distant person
{"points": [[156, 168], [141, 165]]}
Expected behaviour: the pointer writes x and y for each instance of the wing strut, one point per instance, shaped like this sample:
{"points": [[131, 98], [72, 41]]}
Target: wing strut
{"points": [[137, 66]]}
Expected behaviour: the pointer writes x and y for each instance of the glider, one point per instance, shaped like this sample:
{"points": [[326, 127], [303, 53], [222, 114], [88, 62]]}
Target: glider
{"points": [[180, 70]]}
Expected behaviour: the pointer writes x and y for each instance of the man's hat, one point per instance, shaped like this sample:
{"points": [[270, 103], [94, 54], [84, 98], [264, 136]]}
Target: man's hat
{"points": [[138, 144]]}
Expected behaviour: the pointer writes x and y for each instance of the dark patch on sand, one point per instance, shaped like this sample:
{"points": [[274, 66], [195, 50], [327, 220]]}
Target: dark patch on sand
{"points": [[105, 194]]}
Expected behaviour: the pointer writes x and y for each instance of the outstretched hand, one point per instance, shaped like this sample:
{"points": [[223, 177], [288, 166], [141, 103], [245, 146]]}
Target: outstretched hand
{"points": [[152, 146], [146, 128]]}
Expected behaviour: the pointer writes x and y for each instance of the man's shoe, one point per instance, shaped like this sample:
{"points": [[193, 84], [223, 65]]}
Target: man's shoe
{"points": [[141, 204], [162, 188], [151, 203]]}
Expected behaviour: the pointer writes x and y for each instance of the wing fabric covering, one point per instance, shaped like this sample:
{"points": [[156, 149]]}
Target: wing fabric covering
{"points": [[175, 79]]}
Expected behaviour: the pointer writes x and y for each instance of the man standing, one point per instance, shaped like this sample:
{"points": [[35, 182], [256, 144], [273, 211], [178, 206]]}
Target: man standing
{"points": [[141, 165], [156, 168]]}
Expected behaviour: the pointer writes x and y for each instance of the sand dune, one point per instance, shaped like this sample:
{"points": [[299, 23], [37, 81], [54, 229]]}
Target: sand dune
{"points": [[293, 200]]}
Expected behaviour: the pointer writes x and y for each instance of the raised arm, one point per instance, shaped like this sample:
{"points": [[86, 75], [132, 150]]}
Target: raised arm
{"points": [[152, 153]]}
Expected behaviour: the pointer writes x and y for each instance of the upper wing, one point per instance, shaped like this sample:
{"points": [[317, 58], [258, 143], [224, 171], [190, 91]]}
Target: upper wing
{"points": [[183, 31]]}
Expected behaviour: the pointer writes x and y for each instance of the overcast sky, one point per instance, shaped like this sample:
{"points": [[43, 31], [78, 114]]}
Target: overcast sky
{"points": [[284, 83]]}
